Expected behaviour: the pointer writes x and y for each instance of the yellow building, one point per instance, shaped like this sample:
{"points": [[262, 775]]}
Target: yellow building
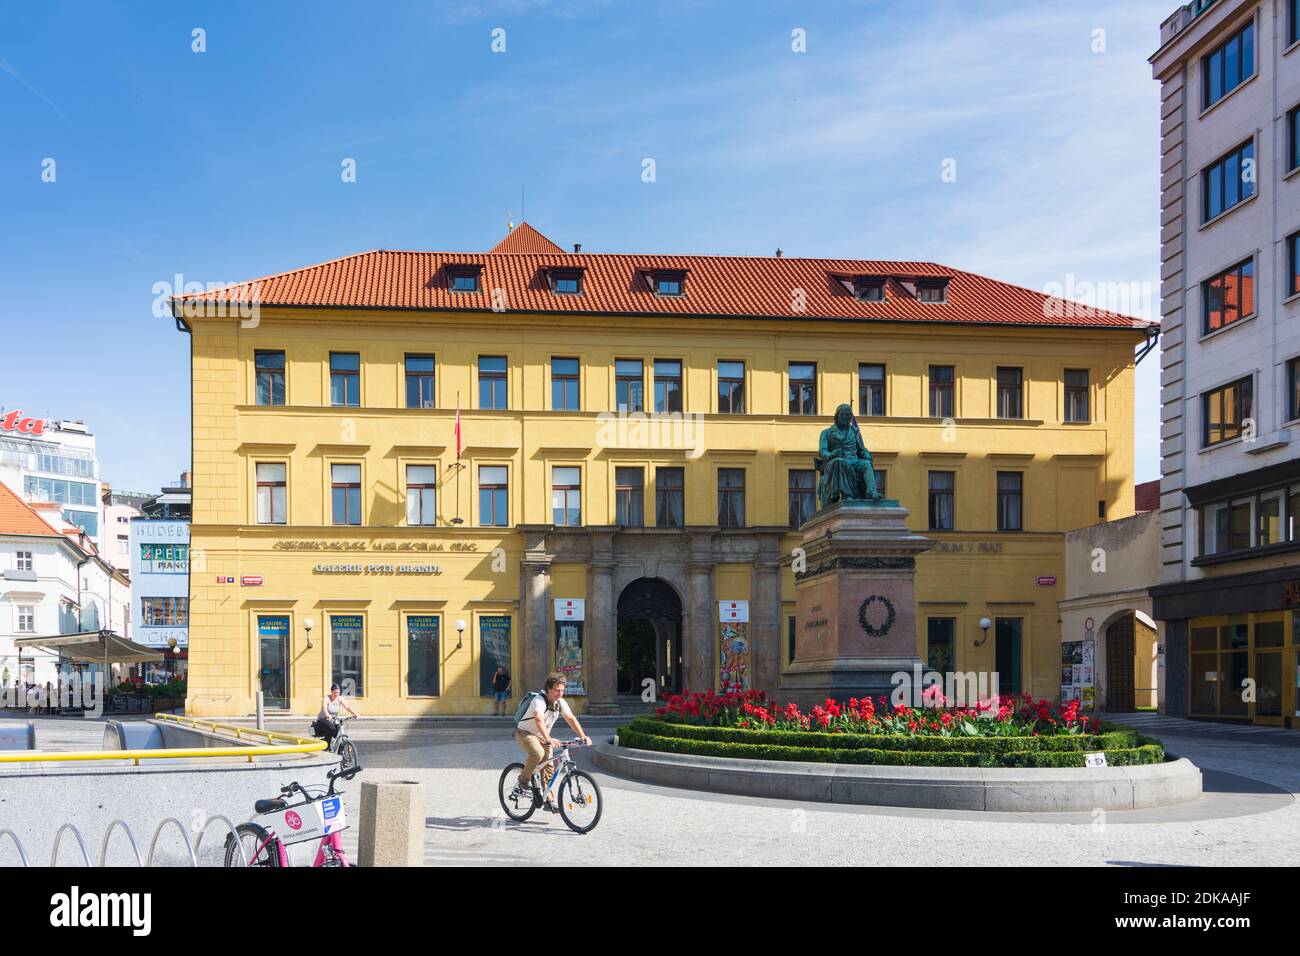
{"points": [[635, 444]]}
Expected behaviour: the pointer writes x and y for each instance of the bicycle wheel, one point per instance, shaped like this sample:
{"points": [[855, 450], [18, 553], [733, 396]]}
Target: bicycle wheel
{"points": [[254, 839], [349, 755], [579, 800], [518, 806]]}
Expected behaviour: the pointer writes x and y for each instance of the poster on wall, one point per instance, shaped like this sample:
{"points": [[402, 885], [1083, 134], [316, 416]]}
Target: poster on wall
{"points": [[1087, 692], [494, 649], [422, 663], [568, 655], [734, 647]]}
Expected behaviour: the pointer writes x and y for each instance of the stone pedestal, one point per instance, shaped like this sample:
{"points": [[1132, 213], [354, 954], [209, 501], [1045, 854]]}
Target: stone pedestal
{"points": [[856, 603]]}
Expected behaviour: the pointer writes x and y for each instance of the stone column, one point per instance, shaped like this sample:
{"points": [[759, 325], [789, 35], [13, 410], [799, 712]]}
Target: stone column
{"points": [[535, 609], [601, 649], [765, 623], [699, 627]]}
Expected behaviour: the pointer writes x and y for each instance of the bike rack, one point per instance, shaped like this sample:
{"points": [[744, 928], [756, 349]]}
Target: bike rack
{"points": [[189, 847], [54, 854], [198, 844], [103, 847], [22, 854]]}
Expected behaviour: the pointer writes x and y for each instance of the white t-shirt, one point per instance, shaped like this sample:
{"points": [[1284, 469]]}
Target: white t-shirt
{"points": [[547, 715]]}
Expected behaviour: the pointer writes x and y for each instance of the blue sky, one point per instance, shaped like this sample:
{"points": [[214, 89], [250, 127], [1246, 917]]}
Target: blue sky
{"points": [[225, 165]]}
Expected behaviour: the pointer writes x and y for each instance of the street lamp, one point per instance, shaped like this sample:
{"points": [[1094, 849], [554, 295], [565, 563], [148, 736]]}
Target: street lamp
{"points": [[171, 656], [307, 625], [985, 624], [460, 634]]}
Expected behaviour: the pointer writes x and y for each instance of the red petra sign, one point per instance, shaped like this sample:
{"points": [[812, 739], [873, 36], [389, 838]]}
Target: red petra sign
{"points": [[251, 580], [14, 422], [1047, 580]]}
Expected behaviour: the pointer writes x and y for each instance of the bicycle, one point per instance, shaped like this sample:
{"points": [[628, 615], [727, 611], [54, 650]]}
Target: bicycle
{"points": [[573, 792], [322, 817], [341, 745]]}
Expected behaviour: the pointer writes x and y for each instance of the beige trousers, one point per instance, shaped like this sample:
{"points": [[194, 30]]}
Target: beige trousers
{"points": [[535, 752]]}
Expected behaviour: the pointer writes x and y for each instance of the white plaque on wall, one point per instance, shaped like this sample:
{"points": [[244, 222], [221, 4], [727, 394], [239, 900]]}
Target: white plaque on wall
{"points": [[570, 609], [733, 610]]}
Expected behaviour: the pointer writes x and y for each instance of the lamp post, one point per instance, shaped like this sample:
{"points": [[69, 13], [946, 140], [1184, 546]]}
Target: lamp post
{"points": [[171, 657], [460, 634], [985, 624]]}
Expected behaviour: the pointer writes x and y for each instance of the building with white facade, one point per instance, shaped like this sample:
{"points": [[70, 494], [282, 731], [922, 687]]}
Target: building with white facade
{"points": [[1229, 72], [44, 460]]}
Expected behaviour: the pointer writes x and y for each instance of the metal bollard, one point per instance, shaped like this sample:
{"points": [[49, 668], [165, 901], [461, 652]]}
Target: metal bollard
{"points": [[392, 824], [261, 712]]}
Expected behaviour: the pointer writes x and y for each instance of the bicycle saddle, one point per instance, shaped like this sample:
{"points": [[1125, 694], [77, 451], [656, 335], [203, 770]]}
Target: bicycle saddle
{"points": [[270, 806]]}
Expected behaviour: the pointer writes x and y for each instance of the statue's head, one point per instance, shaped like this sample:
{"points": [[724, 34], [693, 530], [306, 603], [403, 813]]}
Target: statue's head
{"points": [[843, 415]]}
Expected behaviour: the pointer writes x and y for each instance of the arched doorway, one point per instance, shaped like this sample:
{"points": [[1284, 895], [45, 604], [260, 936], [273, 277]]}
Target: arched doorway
{"points": [[649, 637], [1130, 649]]}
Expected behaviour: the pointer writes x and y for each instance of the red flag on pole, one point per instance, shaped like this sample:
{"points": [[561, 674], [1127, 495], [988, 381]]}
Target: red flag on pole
{"points": [[458, 426]]}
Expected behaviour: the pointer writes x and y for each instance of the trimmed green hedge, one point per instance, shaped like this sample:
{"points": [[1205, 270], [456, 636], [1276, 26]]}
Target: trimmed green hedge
{"points": [[1122, 746]]}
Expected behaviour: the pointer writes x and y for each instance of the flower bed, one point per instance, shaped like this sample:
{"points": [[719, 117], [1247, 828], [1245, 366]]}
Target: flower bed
{"points": [[1010, 732]]}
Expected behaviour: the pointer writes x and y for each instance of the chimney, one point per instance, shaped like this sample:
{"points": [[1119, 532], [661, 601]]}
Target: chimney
{"points": [[185, 479], [779, 253], [577, 247]]}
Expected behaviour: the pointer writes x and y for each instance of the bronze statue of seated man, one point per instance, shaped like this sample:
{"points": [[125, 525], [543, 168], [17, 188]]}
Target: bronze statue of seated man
{"points": [[845, 464]]}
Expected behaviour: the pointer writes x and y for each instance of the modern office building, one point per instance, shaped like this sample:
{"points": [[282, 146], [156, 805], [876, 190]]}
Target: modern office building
{"points": [[1229, 74], [49, 461], [416, 465]]}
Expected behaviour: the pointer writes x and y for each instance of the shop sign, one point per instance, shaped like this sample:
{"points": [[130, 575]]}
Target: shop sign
{"points": [[251, 581], [377, 569], [14, 422], [1047, 580], [374, 545], [968, 547]]}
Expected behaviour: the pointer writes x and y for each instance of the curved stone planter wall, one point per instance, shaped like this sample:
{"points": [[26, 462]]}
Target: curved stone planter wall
{"points": [[940, 788]]}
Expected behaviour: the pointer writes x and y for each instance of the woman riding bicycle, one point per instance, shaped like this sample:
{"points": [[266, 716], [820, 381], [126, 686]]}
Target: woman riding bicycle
{"points": [[327, 721]]}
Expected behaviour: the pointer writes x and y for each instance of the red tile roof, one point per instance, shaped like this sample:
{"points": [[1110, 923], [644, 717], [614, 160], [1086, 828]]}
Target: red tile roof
{"points": [[525, 239], [18, 517], [618, 284], [1146, 496]]}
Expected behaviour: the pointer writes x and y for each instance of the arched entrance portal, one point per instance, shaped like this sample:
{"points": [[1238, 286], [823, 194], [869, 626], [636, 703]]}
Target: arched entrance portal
{"points": [[1129, 650], [649, 637]]}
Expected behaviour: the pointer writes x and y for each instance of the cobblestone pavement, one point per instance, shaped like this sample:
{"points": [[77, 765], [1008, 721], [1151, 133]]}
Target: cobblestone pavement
{"points": [[1249, 815]]}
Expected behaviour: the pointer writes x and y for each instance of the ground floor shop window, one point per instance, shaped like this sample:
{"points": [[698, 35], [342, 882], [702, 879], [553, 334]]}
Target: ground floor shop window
{"points": [[422, 655], [347, 632], [941, 644], [494, 649]]}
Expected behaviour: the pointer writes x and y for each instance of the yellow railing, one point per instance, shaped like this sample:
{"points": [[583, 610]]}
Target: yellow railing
{"points": [[291, 745]]}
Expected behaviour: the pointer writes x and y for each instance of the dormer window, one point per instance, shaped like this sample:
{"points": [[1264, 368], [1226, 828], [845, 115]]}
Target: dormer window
{"points": [[869, 289], [670, 283], [565, 281], [931, 290], [463, 278]]}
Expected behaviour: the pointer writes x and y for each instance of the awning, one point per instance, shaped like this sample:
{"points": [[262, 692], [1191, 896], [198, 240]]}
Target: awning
{"points": [[94, 647]]}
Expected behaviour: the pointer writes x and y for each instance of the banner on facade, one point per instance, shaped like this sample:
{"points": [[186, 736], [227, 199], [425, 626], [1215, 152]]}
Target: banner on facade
{"points": [[733, 611], [494, 649], [570, 609], [733, 672], [568, 654]]}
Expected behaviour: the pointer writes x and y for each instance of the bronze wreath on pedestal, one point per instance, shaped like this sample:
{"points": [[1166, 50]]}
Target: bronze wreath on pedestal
{"points": [[889, 617]]}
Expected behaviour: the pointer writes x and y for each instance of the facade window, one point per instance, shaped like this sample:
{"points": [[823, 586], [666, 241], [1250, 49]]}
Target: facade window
{"points": [[670, 283], [272, 493], [871, 390], [803, 388], [1228, 66], [1293, 389], [731, 388], [422, 655], [670, 497], [87, 521], [348, 637], [932, 290], [123, 545], [269, 367], [1292, 21], [1011, 393], [731, 497], [565, 395], [24, 559], [1011, 501], [1076, 395], [419, 381], [1227, 526], [942, 387], [1007, 653], [566, 497], [345, 494], [1229, 296], [566, 282], [629, 497], [1292, 264], [629, 385], [1228, 181], [26, 619], [869, 289], [882, 482], [421, 495], [462, 279], [1292, 141], [492, 382], [941, 644], [58, 491], [1224, 412], [165, 611], [668, 385], [803, 495], [1268, 519], [943, 488], [345, 379], [493, 492]]}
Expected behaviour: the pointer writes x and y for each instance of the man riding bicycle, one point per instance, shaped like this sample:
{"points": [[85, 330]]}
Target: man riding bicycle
{"points": [[533, 732]]}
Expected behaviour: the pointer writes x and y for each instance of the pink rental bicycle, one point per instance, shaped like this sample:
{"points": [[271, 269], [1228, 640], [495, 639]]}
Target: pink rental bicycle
{"points": [[319, 816]]}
